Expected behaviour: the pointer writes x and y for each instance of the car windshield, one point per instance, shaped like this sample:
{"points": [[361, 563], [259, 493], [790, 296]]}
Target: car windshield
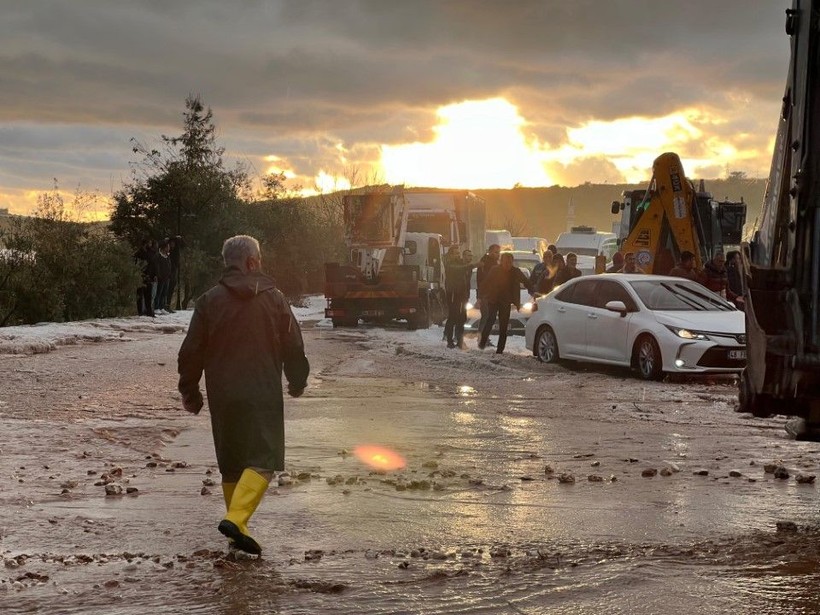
{"points": [[667, 295]]}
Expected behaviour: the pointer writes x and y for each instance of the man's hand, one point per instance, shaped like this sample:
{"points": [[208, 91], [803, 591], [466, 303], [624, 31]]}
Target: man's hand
{"points": [[293, 392], [193, 405]]}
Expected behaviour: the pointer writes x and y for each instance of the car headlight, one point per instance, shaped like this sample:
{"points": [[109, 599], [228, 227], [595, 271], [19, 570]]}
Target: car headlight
{"points": [[527, 307], [469, 306], [688, 334]]}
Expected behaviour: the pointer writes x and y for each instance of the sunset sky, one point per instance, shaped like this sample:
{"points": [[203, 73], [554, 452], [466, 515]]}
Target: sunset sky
{"points": [[447, 93]]}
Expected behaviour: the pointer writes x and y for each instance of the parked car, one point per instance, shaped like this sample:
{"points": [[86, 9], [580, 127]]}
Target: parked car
{"points": [[525, 261], [652, 323]]}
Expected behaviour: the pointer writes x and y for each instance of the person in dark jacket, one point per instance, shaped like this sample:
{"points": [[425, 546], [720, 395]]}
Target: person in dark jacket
{"points": [[144, 258], [733, 281], [716, 278], [686, 268], [175, 245], [487, 262], [457, 290], [163, 269], [502, 287], [243, 336], [542, 277], [569, 271], [617, 263]]}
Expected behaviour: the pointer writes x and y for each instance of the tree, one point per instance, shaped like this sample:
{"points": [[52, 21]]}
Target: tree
{"points": [[183, 188], [510, 222]]}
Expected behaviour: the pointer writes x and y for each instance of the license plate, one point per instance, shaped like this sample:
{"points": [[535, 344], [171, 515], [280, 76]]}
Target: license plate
{"points": [[737, 354], [373, 313]]}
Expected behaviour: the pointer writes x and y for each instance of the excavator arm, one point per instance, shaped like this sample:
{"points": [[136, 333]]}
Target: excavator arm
{"points": [[668, 220], [781, 258]]}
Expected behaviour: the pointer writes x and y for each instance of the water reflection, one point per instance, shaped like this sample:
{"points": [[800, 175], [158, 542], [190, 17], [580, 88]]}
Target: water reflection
{"points": [[466, 391]]}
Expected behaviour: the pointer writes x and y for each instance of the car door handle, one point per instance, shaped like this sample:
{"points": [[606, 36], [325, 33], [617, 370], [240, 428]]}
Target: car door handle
{"points": [[593, 316], [561, 310]]}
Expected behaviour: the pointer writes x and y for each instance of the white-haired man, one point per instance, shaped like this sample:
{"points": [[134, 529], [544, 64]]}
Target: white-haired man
{"points": [[243, 335]]}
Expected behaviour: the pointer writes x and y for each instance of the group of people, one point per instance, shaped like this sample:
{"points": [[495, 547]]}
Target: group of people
{"points": [[720, 275], [159, 263], [498, 288]]}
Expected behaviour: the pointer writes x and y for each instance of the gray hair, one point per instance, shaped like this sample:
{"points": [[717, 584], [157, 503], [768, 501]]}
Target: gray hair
{"points": [[236, 250]]}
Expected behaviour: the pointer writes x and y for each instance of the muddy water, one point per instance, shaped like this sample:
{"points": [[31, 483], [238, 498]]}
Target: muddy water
{"points": [[474, 524]]}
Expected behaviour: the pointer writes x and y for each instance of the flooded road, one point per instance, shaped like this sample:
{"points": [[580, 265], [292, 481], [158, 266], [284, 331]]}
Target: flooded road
{"points": [[528, 489]]}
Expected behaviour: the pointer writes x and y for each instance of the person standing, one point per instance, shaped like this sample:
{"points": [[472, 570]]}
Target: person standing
{"points": [[144, 259], [617, 263], [502, 288], [163, 269], [243, 335], [631, 264], [175, 244], [542, 278], [569, 271], [485, 265], [716, 278], [457, 291], [733, 278], [686, 268], [467, 259]]}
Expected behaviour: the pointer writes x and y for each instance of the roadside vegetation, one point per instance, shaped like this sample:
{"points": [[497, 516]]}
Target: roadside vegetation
{"points": [[56, 268]]}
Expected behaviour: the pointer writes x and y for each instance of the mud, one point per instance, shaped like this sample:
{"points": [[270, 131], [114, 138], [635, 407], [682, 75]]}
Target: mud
{"points": [[670, 510]]}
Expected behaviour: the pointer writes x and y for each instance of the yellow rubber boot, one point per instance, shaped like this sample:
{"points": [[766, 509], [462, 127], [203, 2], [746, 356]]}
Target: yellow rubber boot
{"points": [[247, 494], [227, 493]]}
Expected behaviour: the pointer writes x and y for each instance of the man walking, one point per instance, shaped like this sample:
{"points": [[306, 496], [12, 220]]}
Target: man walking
{"points": [[502, 287], [243, 335], [485, 265]]}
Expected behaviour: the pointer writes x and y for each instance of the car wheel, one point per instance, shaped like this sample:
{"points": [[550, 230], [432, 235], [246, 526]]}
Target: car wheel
{"points": [[648, 358], [546, 346]]}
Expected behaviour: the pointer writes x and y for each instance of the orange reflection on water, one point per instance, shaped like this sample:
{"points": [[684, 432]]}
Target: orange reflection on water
{"points": [[379, 457]]}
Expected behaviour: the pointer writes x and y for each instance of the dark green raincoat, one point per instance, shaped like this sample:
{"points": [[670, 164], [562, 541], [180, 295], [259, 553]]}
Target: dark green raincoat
{"points": [[242, 335]]}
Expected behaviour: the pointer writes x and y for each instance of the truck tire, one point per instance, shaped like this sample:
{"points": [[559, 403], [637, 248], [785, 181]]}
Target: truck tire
{"points": [[748, 400]]}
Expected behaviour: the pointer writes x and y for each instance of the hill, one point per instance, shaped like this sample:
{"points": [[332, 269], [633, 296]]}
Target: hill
{"points": [[542, 212]]}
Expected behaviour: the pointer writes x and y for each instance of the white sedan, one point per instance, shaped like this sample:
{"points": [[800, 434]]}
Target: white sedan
{"points": [[653, 323]]}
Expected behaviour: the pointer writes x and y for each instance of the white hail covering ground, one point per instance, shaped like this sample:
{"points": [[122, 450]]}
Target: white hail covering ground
{"points": [[45, 337]]}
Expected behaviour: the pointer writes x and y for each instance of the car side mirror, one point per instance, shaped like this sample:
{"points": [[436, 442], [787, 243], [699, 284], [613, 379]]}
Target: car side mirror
{"points": [[616, 306]]}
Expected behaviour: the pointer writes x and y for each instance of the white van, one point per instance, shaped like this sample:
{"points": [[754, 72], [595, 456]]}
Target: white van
{"points": [[587, 243], [536, 245], [501, 237]]}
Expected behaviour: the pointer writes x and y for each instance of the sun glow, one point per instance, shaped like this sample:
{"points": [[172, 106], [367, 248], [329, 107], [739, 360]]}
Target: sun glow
{"points": [[478, 144], [490, 144]]}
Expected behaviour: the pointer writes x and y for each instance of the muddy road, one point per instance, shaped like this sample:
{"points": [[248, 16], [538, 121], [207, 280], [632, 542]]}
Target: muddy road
{"points": [[528, 489]]}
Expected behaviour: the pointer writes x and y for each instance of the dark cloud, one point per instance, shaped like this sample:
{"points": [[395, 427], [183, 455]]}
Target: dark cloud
{"points": [[283, 74]]}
